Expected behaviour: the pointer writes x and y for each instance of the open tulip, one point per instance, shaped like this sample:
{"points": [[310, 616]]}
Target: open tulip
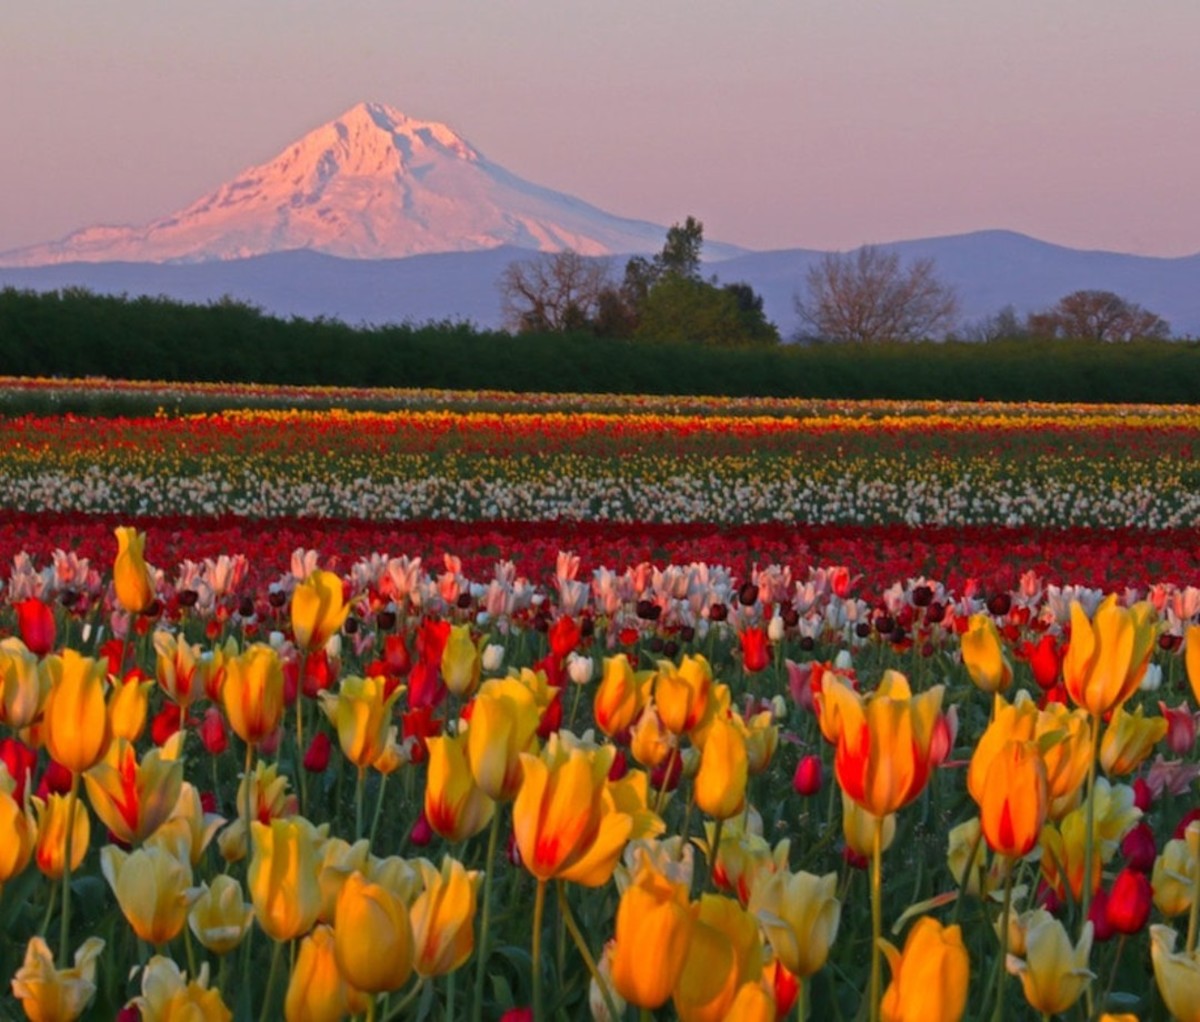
{"points": [[220, 915], [1128, 740], [1108, 654], [152, 888], [362, 714], [443, 917], [455, 806], [983, 655], [372, 936], [653, 933], [180, 668], [252, 693], [621, 694], [682, 693], [168, 996], [724, 953], [318, 610], [1174, 878], [929, 977], [799, 913], [317, 991], [75, 715], [50, 853], [1177, 974], [1014, 804], [134, 799], [283, 878], [504, 723], [1053, 973], [132, 581], [56, 995]]}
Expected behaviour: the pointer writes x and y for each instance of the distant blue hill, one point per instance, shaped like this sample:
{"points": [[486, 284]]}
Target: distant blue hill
{"points": [[990, 269]]}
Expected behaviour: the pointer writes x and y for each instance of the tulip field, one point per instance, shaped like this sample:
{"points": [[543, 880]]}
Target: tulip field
{"points": [[328, 704]]}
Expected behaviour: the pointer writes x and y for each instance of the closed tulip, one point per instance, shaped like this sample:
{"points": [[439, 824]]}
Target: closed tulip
{"points": [[1014, 804], [1053, 973], [48, 994], [720, 784], [252, 693], [929, 977], [134, 799], [283, 878], [132, 581], [1064, 737], [725, 953], [339, 860], [565, 819], [653, 934], [220, 915], [372, 937], [1107, 656], [318, 610], [1191, 657], [1174, 878], [883, 757], [1129, 901], [75, 718], [35, 622], [621, 695], [1128, 740], [799, 913], [755, 1003], [983, 655], [455, 806], [50, 854], [128, 707], [443, 917], [20, 837], [461, 662], [859, 826], [650, 742], [1015, 721], [21, 684], [1177, 974], [762, 739], [504, 723], [317, 991], [152, 889], [362, 714], [168, 995], [682, 693]]}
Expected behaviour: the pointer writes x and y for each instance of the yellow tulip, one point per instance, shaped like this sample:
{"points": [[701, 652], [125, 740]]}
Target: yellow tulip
{"points": [[884, 742], [1107, 656], [168, 996], [180, 668], [504, 723], [443, 917], [283, 877], [189, 825], [1174, 878], [339, 860], [744, 858], [317, 991], [128, 707], [75, 718], [152, 889], [762, 739], [269, 800], [649, 741], [21, 686], [565, 820], [362, 716], [372, 937], [983, 655], [725, 953], [753, 1003], [462, 663], [131, 576], [929, 977], [967, 840], [220, 916], [1177, 974], [720, 785], [799, 913], [1015, 802], [621, 695], [653, 934], [1053, 972], [20, 836], [56, 995], [318, 610], [134, 799], [682, 693], [631, 796], [455, 806], [1065, 739], [253, 693], [50, 853], [858, 828], [1128, 740]]}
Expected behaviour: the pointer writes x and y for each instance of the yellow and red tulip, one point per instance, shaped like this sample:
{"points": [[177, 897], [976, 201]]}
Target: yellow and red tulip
{"points": [[1107, 655], [134, 799], [318, 610]]}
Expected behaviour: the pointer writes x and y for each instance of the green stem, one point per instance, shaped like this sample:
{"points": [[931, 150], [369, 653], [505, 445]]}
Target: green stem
{"points": [[539, 906], [191, 951], [662, 791], [378, 808], [301, 780], [64, 937], [276, 954], [573, 928], [1089, 837], [1112, 976], [876, 918], [359, 789], [249, 816], [50, 903], [964, 879], [485, 922], [400, 1009], [451, 989], [713, 853], [574, 707], [998, 1015], [802, 999]]}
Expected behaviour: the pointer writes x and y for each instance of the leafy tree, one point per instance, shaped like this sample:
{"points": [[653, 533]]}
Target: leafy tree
{"points": [[681, 251], [1098, 316], [866, 295], [680, 308], [552, 292]]}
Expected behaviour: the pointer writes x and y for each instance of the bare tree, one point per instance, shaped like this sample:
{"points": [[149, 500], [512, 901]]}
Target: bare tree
{"points": [[1098, 316], [866, 295], [552, 292]]}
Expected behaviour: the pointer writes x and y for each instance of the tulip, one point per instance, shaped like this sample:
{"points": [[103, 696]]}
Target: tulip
{"points": [[56, 995], [372, 937], [283, 878], [1107, 655], [17, 760], [504, 723], [1053, 972], [966, 840], [859, 828], [1174, 878], [1130, 901], [253, 693], [1014, 805], [21, 684], [983, 655], [1045, 660], [339, 861], [762, 739], [443, 917], [220, 916], [564, 636], [35, 622], [1177, 973], [455, 806], [128, 706], [565, 820], [75, 716], [744, 858], [650, 742], [317, 991], [133, 800], [318, 610], [131, 576], [179, 668], [799, 913], [1063, 865], [725, 953], [621, 695], [754, 1003], [362, 715], [1129, 740], [1064, 737], [20, 836], [883, 742], [720, 785], [1191, 655], [461, 663], [682, 693], [151, 886], [755, 651], [783, 985], [51, 851], [929, 977], [167, 996], [808, 777], [653, 933], [1181, 727], [1016, 721]]}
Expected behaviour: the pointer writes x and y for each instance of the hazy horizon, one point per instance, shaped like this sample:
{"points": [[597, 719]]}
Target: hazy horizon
{"points": [[817, 124]]}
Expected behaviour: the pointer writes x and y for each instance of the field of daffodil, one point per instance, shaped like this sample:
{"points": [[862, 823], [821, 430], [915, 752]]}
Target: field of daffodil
{"points": [[538, 752]]}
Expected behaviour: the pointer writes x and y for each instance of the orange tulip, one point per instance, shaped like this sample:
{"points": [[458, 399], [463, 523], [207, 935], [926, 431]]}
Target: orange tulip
{"points": [[132, 580], [51, 851], [621, 694], [504, 723], [75, 716], [720, 785], [682, 693], [983, 655], [16, 849], [724, 954], [318, 610], [653, 934], [1013, 808], [372, 937], [283, 878], [455, 806], [180, 668], [253, 693], [133, 800], [1107, 656], [443, 917], [929, 977], [317, 991]]}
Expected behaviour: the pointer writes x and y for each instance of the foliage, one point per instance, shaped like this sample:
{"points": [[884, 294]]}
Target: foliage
{"points": [[680, 308], [1098, 316]]}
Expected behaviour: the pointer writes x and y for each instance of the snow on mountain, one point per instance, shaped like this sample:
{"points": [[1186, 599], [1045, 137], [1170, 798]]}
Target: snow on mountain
{"points": [[371, 184]]}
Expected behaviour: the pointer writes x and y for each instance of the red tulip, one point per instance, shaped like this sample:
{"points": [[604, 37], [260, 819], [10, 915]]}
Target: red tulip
{"points": [[1130, 901], [1139, 849], [316, 757], [19, 759], [213, 733], [809, 776], [755, 652], [564, 636], [36, 623]]}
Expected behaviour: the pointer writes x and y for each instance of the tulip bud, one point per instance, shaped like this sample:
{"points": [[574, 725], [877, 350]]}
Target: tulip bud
{"points": [[35, 621], [808, 777], [316, 756], [1129, 902], [1138, 848], [212, 732]]}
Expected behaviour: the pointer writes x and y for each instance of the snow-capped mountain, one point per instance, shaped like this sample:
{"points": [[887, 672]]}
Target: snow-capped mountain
{"points": [[371, 184]]}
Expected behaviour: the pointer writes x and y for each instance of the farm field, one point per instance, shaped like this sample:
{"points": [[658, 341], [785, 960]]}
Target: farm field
{"points": [[566, 704]]}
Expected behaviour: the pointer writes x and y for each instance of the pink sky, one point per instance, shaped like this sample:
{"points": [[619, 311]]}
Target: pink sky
{"points": [[780, 123]]}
